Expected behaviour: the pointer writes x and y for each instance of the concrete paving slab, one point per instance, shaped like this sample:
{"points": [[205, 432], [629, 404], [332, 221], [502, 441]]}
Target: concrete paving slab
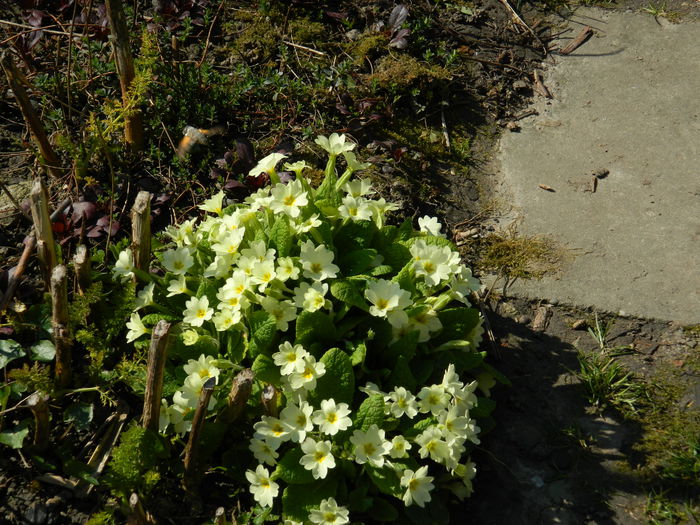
{"points": [[627, 101]]}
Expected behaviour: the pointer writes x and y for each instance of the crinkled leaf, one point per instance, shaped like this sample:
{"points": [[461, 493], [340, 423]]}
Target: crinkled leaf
{"points": [[357, 261], [266, 370], [235, 347], [44, 350], [281, 236], [348, 292], [371, 412], [457, 323], [263, 333], [406, 279], [356, 235], [396, 255], [298, 500], [338, 382], [208, 288], [15, 437], [291, 471], [79, 414], [314, 327], [152, 319], [9, 351], [422, 369], [382, 269]]}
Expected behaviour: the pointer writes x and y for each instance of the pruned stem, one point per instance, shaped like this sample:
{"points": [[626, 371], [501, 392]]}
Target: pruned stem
{"points": [[83, 270], [38, 403], [59, 322], [192, 449], [141, 230], [154, 382], [237, 397], [46, 248]]}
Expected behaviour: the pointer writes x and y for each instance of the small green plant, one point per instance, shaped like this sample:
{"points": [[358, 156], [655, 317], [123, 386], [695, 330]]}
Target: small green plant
{"points": [[657, 10], [607, 383]]}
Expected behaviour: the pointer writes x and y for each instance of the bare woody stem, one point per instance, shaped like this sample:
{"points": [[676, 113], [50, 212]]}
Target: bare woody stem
{"points": [[133, 128], [154, 382], [192, 449], [137, 514], [237, 397], [38, 403], [269, 400], [59, 322], [45, 246], [81, 263], [141, 230], [16, 80]]}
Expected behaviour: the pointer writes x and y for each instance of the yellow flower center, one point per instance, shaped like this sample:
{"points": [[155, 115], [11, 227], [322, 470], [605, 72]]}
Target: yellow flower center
{"points": [[382, 304], [201, 313], [289, 200], [332, 417], [316, 267], [369, 449]]}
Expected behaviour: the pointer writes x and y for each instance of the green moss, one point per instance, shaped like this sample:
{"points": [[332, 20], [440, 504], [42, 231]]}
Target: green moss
{"points": [[305, 31], [257, 36], [132, 468], [367, 46], [405, 70]]}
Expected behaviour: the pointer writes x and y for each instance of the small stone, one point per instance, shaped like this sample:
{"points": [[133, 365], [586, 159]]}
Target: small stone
{"points": [[579, 324], [352, 35], [37, 514]]}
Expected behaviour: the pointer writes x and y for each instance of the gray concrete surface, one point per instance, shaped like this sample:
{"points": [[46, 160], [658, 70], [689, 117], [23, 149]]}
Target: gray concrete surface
{"points": [[627, 101]]}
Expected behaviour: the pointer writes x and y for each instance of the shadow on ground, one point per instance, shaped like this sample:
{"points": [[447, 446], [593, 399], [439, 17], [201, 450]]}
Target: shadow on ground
{"points": [[550, 459]]}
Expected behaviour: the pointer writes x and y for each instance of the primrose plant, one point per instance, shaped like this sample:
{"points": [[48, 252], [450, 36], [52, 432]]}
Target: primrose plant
{"points": [[360, 336]]}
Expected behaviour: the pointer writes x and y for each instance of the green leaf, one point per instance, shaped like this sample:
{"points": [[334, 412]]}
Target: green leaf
{"points": [[355, 235], [80, 414], [235, 348], [339, 380], [396, 255], [406, 347], [9, 351], [15, 438], [281, 236], [266, 370], [357, 261], [263, 333], [384, 511], [314, 327], [44, 350], [422, 369], [401, 375], [386, 479], [358, 354], [80, 470], [406, 278], [405, 230], [382, 269], [152, 319], [291, 471], [371, 412], [483, 408], [298, 500], [347, 292], [456, 324], [431, 240], [208, 288], [464, 361]]}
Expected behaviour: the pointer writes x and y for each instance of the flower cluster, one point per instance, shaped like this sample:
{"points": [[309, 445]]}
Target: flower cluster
{"points": [[311, 289]]}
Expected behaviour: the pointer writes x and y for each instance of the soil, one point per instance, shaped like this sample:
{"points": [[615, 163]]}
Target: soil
{"points": [[551, 458]]}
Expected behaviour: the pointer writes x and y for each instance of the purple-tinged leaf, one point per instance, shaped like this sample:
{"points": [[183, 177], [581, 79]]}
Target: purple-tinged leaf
{"points": [[229, 158], [83, 209], [285, 176], [336, 15], [398, 43], [35, 17], [95, 232], [233, 184], [398, 16], [244, 149]]}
